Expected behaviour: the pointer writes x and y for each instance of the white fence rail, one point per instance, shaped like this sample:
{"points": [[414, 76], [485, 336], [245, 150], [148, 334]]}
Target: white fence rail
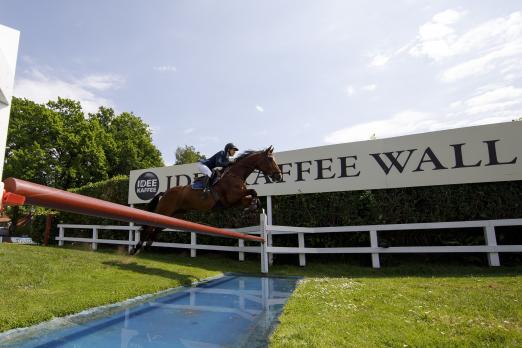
{"points": [[267, 249]]}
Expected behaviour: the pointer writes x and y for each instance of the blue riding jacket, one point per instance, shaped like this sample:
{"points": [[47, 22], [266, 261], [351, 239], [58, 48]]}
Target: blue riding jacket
{"points": [[220, 159]]}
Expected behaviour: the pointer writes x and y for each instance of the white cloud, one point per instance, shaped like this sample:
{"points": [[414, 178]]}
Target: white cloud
{"points": [[486, 47], [102, 82], [369, 88], [497, 102], [405, 122], [41, 87], [491, 104], [188, 131], [435, 38], [483, 64], [352, 90], [208, 139], [447, 17], [259, 108], [379, 60], [165, 68]]}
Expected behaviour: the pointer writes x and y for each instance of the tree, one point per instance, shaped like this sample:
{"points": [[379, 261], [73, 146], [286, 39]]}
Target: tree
{"points": [[188, 154], [55, 145], [127, 142]]}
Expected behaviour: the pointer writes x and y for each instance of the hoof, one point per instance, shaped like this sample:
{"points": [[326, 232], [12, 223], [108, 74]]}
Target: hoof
{"points": [[136, 249]]}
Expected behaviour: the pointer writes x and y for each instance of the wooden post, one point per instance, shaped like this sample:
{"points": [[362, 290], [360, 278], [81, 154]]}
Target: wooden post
{"points": [[48, 225]]}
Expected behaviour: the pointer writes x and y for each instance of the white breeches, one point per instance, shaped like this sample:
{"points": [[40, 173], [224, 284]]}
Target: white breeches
{"points": [[204, 169]]}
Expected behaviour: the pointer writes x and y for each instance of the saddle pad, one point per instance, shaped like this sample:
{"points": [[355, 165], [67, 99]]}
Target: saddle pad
{"points": [[198, 185]]}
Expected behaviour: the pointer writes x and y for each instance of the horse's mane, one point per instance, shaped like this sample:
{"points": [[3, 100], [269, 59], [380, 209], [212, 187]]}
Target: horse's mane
{"points": [[246, 154]]}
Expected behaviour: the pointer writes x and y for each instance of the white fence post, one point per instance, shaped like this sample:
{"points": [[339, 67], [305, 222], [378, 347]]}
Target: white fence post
{"points": [[269, 243], [269, 210], [131, 232], [131, 239], [301, 244], [241, 244], [269, 222], [61, 234], [491, 240], [193, 242], [137, 236], [374, 243], [94, 238], [264, 254]]}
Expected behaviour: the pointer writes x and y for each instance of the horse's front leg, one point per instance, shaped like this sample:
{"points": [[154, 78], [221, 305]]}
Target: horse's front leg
{"points": [[251, 192], [146, 234], [250, 200]]}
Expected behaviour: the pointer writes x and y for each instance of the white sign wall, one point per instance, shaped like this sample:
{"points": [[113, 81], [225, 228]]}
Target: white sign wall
{"points": [[464, 155]]}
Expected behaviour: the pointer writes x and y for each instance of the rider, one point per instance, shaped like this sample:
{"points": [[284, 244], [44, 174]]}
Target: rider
{"points": [[220, 159]]}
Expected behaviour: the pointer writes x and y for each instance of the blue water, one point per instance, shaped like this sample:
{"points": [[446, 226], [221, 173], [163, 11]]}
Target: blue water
{"points": [[232, 311]]}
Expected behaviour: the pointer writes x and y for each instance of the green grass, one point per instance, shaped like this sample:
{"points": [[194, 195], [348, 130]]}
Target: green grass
{"points": [[335, 304], [39, 283], [406, 306]]}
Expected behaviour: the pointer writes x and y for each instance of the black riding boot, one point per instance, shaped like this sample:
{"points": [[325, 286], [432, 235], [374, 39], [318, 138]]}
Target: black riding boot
{"points": [[208, 181]]}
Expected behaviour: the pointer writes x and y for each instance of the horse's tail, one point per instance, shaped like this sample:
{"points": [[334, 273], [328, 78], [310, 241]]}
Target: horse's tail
{"points": [[151, 206]]}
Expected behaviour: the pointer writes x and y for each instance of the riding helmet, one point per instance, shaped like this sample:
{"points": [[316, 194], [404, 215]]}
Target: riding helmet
{"points": [[230, 146]]}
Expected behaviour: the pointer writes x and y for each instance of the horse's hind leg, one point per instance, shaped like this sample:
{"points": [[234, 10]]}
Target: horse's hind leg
{"points": [[168, 206]]}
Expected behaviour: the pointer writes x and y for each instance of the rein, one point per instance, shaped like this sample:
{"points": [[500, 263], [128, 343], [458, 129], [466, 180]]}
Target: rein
{"points": [[240, 165]]}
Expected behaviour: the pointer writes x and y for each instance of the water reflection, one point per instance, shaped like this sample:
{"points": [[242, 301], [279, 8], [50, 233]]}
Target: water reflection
{"points": [[232, 311]]}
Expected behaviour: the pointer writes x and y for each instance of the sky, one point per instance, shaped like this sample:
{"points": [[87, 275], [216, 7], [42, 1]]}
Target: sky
{"points": [[292, 74]]}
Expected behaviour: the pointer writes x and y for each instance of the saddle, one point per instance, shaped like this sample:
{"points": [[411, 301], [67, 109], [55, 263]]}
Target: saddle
{"points": [[200, 182]]}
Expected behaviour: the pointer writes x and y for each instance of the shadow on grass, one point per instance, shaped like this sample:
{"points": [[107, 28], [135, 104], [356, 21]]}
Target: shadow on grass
{"points": [[134, 267]]}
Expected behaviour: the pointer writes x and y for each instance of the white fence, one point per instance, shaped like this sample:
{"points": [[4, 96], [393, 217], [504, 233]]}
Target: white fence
{"points": [[267, 231]]}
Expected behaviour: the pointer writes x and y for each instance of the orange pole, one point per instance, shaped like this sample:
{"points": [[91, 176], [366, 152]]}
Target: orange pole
{"points": [[44, 196]]}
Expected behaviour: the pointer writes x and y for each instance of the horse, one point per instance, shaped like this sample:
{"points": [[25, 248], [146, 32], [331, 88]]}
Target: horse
{"points": [[229, 191]]}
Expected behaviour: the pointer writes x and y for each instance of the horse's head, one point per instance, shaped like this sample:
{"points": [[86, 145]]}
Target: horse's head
{"points": [[266, 163]]}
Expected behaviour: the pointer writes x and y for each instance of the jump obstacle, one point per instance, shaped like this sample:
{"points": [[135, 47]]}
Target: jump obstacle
{"points": [[18, 192]]}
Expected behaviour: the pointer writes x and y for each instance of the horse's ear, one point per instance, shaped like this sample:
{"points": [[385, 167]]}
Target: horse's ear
{"points": [[270, 149]]}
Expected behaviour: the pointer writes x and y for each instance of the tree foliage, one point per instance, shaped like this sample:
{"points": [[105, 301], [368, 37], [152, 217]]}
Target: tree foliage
{"points": [[128, 142], [56, 145], [187, 154]]}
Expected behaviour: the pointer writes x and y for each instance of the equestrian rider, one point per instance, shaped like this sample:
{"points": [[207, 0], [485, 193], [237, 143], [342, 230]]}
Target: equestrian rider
{"points": [[220, 159]]}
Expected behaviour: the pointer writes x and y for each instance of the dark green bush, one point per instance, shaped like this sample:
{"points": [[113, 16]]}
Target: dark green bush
{"points": [[500, 200]]}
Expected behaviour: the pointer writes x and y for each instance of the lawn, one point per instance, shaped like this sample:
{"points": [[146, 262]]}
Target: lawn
{"points": [[334, 305], [463, 307]]}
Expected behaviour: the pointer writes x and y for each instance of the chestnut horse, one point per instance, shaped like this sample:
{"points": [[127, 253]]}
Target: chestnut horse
{"points": [[229, 191]]}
